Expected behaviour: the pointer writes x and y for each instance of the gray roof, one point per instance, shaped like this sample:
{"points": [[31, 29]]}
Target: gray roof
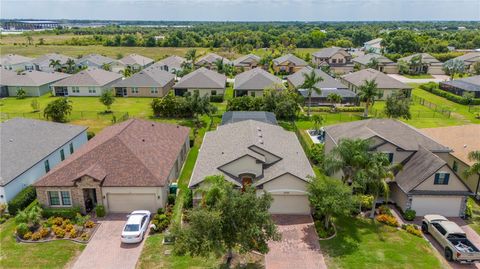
{"points": [[173, 61], [426, 58], [151, 76], [256, 79], [12, 59], [328, 82], [202, 78], [237, 116], [329, 52], [136, 59], [25, 142], [45, 59], [246, 60], [471, 84], [383, 81], [290, 58], [211, 58], [30, 78], [92, 77], [232, 141], [469, 57], [396, 132], [373, 41], [96, 59], [344, 93], [365, 59]]}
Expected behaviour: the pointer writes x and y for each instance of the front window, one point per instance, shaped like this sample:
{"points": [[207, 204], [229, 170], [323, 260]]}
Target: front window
{"points": [[441, 178], [214, 92], [134, 90], [252, 94], [154, 90], [455, 166], [132, 228], [59, 198], [92, 90], [71, 148], [62, 154], [47, 166], [66, 198], [53, 198]]}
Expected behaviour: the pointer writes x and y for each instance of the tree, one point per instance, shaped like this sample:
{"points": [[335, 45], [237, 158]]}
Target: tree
{"points": [[310, 81], [21, 93], [127, 72], [199, 105], [192, 56], [468, 96], [227, 219], [41, 41], [107, 99], [373, 63], [403, 67], [415, 65], [329, 197], [476, 68], [58, 110], [29, 39], [334, 98], [398, 106], [35, 105], [70, 66], [55, 64], [367, 93], [317, 121], [107, 67], [453, 67], [475, 167], [266, 61]]}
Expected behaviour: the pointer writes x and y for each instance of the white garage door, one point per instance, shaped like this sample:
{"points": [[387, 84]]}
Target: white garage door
{"points": [[448, 206], [128, 202], [290, 204]]}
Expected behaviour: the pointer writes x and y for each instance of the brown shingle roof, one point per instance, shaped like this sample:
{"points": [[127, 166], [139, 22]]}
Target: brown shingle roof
{"points": [[134, 153]]}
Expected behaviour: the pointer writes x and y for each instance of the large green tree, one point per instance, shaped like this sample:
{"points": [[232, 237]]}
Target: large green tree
{"points": [[367, 93], [398, 106], [310, 84], [453, 67], [58, 110], [107, 99]]}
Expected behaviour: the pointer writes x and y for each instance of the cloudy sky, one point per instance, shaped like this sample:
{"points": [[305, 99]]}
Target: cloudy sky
{"points": [[243, 10]]}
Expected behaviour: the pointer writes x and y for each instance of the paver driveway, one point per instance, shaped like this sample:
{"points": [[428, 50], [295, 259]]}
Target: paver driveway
{"points": [[105, 250], [299, 247]]}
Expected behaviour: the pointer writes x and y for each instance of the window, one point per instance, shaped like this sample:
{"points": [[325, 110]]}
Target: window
{"points": [[134, 90], [66, 198], [390, 156], [53, 198], [252, 94], [47, 166], [92, 90], [340, 61], [75, 90], [334, 61], [214, 92], [154, 90], [455, 166], [71, 148], [441, 178], [196, 91], [62, 155], [59, 198]]}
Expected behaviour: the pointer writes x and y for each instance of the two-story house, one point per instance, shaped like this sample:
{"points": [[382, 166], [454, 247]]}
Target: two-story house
{"points": [[338, 59]]}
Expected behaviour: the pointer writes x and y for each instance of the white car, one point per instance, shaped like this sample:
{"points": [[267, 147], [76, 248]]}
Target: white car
{"points": [[136, 226]]}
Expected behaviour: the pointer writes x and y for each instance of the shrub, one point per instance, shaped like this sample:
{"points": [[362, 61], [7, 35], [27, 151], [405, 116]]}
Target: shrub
{"points": [[409, 214], [21, 93], [413, 229], [22, 200], [81, 220], [3, 208], [36, 236], [321, 231], [171, 199], [59, 232], [66, 213], [100, 211], [216, 98], [317, 154], [160, 210], [384, 210], [84, 236], [90, 135], [161, 222], [2, 220], [432, 87], [73, 233], [57, 220], [22, 229], [387, 219], [469, 208], [69, 227], [27, 236], [44, 232], [89, 224], [188, 203], [350, 109], [366, 201]]}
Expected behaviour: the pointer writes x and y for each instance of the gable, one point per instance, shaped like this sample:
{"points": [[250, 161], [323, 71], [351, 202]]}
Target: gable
{"points": [[269, 157], [454, 183], [243, 165], [285, 183]]}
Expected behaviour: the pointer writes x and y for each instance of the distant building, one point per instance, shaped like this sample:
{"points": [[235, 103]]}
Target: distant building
{"points": [[34, 83], [373, 45], [149, 82], [209, 61], [338, 59], [429, 64], [29, 25], [171, 64], [288, 64], [385, 65], [253, 82], [462, 86], [136, 61], [86, 83], [237, 116], [16, 62], [42, 63], [203, 81]]}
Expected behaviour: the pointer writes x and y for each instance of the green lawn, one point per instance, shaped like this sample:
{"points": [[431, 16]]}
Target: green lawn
{"points": [[420, 76], [54, 254], [362, 243]]}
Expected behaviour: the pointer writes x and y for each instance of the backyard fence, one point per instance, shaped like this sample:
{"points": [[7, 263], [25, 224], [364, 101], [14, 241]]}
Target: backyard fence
{"points": [[436, 108], [116, 116]]}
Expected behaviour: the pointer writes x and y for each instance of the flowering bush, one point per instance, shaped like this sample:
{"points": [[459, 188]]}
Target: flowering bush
{"points": [[57, 221], [413, 229], [89, 224], [387, 219], [385, 210], [44, 232], [68, 227], [27, 236], [84, 236], [73, 233], [36, 236], [59, 232]]}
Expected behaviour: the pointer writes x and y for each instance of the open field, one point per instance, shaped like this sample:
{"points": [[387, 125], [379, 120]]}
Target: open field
{"points": [[50, 39]]}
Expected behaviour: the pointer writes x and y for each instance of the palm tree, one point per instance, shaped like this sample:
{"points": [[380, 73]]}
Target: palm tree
{"points": [[220, 66], [416, 64], [127, 71], [309, 84], [475, 168], [373, 63], [70, 65], [55, 64], [334, 98], [106, 66], [192, 56], [29, 39], [317, 121], [367, 93]]}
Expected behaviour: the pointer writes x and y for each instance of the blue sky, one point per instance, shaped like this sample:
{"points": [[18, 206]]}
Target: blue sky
{"points": [[243, 10]]}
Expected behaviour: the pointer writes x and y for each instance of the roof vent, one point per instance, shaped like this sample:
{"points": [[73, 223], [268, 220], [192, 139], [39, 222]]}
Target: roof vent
{"points": [[11, 140], [260, 141], [260, 134], [153, 124], [143, 140], [258, 129]]}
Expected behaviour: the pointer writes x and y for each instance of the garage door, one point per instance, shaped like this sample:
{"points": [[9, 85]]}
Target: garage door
{"points": [[448, 206], [125, 203], [290, 204]]}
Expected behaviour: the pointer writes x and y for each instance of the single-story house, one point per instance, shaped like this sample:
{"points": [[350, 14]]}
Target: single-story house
{"points": [[462, 140], [97, 61], [31, 148], [203, 80], [128, 166], [136, 61], [259, 154], [209, 61], [16, 62], [385, 65], [152, 81], [374, 45], [338, 59], [247, 62], [237, 116], [171, 64], [386, 84], [34, 83], [253, 82], [429, 65], [426, 183], [86, 83], [288, 64], [469, 60], [462, 86], [42, 63]]}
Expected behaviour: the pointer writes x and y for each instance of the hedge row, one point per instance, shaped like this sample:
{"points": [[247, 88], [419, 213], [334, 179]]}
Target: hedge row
{"points": [[66, 213], [338, 109], [216, 98], [432, 88], [22, 200]]}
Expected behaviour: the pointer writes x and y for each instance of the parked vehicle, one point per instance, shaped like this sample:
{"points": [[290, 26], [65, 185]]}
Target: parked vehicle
{"points": [[451, 238], [136, 226]]}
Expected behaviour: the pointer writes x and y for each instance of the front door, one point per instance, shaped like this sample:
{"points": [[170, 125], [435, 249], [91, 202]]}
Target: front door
{"points": [[90, 199], [246, 181]]}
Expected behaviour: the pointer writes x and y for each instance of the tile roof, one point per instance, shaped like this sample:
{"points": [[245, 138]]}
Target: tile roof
{"points": [[29, 78], [237, 116], [426, 58], [329, 52], [136, 59], [245, 60], [328, 82], [25, 142], [151, 76], [173, 61], [383, 81], [290, 58], [92, 77], [471, 84], [44, 60], [12, 59], [211, 58], [202, 78], [257, 79], [134, 153], [96, 59], [469, 57], [365, 59]]}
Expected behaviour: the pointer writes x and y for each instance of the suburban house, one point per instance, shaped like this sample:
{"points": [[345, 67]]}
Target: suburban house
{"points": [[209, 61], [462, 140], [203, 80], [288, 64], [16, 62], [237, 116], [385, 65], [98, 61], [260, 154], [253, 82], [374, 45], [463, 85], [42, 63], [247, 62], [34, 83], [328, 86], [387, 85], [171, 64], [428, 64], [426, 183], [128, 166], [338, 59], [136, 62], [152, 81], [469, 60], [86, 83], [31, 148]]}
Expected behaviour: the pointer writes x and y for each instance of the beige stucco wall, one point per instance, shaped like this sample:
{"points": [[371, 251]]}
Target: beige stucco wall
{"points": [[435, 70], [286, 184], [470, 181], [160, 192], [454, 183], [243, 165], [207, 91], [146, 91], [398, 156], [286, 67]]}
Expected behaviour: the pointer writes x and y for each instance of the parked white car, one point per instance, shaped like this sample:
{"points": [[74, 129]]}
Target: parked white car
{"points": [[136, 226]]}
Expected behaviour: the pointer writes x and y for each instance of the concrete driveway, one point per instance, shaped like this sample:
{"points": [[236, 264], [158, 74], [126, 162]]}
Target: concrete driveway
{"points": [[436, 78], [299, 247], [105, 250]]}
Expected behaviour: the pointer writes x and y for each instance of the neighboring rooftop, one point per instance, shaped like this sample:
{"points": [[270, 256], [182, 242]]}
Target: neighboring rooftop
{"points": [[383, 81], [257, 79], [136, 59], [96, 59], [25, 142], [29, 78], [329, 52], [151, 76], [202, 78], [246, 60], [290, 58], [469, 57], [367, 58], [211, 58], [45, 59], [426, 58], [173, 61], [344, 93], [12, 59], [93, 77], [328, 82], [374, 41], [237, 116], [134, 153], [471, 84]]}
